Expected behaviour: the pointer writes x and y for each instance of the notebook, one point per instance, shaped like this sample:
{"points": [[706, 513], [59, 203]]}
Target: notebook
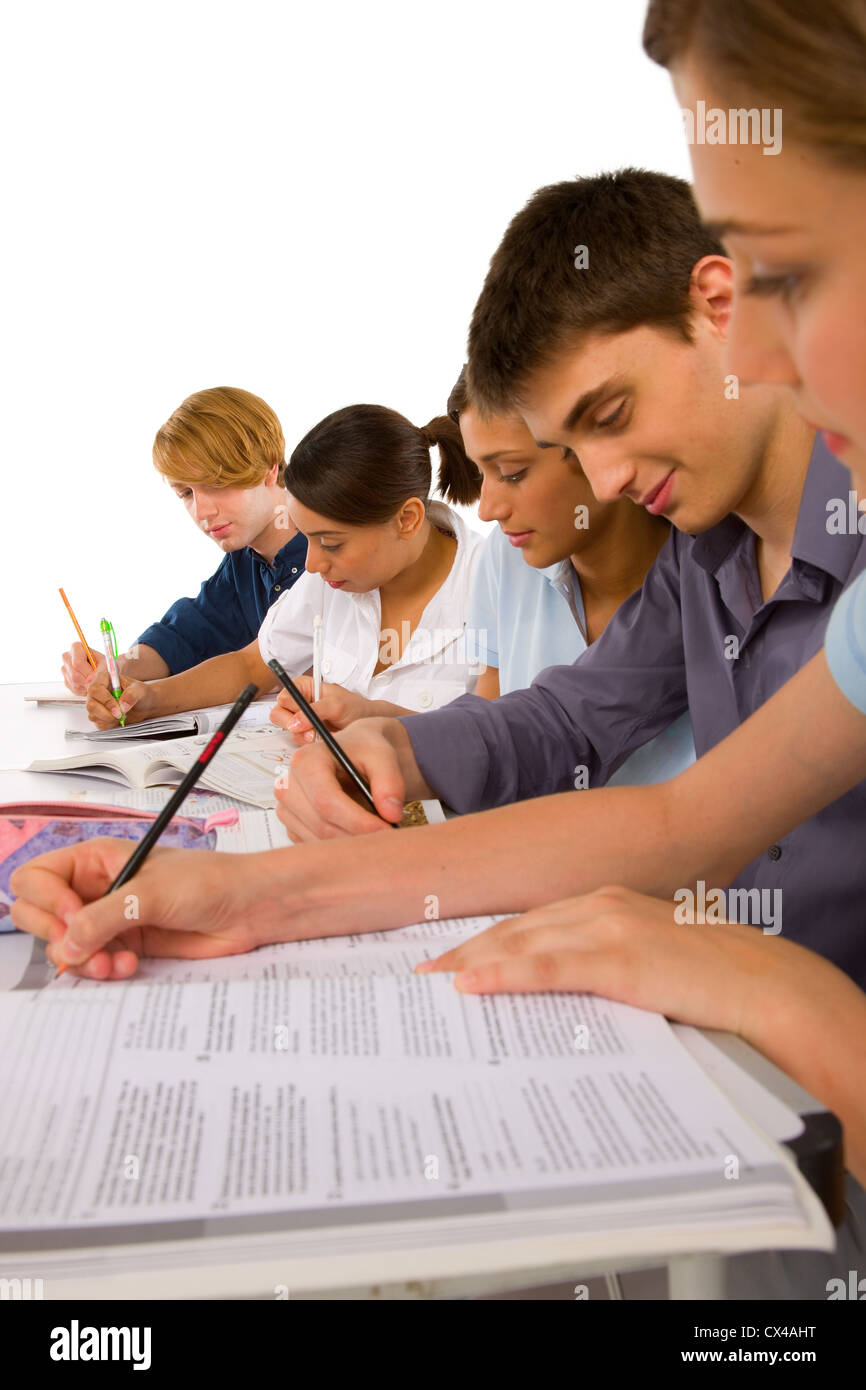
{"points": [[245, 767], [196, 721]]}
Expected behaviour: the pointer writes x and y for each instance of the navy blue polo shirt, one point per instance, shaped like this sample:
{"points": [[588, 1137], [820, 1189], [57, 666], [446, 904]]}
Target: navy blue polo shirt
{"points": [[229, 608]]}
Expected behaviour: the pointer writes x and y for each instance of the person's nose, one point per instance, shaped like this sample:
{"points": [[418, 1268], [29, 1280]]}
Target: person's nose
{"points": [[493, 504], [609, 471], [202, 506]]}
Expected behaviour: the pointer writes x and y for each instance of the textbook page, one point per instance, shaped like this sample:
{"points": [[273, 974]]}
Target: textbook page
{"points": [[123, 1106], [395, 952]]}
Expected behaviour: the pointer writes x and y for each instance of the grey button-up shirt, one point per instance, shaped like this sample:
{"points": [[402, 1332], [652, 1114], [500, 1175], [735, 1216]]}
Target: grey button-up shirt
{"points": [[696, 636]]}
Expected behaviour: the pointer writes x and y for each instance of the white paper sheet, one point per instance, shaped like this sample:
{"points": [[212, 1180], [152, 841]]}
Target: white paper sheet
{"points": [[133, 1105]]}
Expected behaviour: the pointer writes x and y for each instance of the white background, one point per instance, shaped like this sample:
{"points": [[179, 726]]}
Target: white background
{"points": [[299, 199]]}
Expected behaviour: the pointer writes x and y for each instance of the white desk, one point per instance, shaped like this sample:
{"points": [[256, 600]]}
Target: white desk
{"points": [[363, 1262]]}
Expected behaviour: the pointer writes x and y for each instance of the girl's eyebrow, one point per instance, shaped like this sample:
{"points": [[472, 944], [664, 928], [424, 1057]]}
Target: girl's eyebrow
{"points": [[502, 453], [730, 226], [324, 533]]}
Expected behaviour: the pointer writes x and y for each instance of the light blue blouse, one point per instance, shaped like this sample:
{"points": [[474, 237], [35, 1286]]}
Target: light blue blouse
{"points": [[845, 643], [527, 619]]}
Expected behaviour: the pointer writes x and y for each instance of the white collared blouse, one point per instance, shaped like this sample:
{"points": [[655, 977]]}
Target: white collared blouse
{"points": [[440, 661]]}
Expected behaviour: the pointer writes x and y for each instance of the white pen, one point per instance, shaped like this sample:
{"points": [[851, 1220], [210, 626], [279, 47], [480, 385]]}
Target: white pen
{"points": [[318, 640]]}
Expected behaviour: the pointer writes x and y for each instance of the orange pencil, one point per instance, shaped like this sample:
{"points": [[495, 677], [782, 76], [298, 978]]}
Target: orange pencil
{"points": [[90, 657]]}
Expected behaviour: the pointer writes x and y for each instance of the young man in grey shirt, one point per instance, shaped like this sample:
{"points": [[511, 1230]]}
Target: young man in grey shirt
{"points": [[623, 363]]}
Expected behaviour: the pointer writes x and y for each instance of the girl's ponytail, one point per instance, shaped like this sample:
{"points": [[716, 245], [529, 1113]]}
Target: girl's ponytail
{"points": [[459, 479]]}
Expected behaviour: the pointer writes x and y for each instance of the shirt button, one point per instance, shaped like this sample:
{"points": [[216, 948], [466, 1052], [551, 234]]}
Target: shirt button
{"points": [[277, 588], [425, 699], [294, 569], [774, 852], [326, 667]]}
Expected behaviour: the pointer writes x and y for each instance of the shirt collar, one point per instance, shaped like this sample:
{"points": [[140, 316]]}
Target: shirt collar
{"points": [[813, 544], [560, 575], [293, 553]]}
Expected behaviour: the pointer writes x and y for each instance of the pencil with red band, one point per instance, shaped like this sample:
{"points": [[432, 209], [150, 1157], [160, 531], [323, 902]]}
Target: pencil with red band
{"points": [[172, 806], [327, 737]]}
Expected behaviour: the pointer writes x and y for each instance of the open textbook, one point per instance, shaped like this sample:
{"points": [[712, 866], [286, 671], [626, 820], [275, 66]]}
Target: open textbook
{"points": [[245, 767], [318, 1098]]}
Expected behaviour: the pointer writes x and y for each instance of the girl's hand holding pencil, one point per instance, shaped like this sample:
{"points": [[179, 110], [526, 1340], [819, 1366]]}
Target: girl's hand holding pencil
{"points": [[180, 903], [139, 701], [336, 708]]}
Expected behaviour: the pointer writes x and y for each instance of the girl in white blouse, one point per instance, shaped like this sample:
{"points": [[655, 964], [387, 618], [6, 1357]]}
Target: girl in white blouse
{"points": [[388, 569]]}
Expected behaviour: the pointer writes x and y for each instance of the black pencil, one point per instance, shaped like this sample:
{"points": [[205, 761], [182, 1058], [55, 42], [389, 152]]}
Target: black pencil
{"points": [[327, 737], [143, 848]]}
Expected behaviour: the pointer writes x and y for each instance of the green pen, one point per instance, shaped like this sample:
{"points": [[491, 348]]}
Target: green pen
{"points": [[109, 641]]}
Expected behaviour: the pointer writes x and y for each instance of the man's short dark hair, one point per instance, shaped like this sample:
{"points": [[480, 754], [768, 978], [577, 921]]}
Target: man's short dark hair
{"points": [[600, 254]]}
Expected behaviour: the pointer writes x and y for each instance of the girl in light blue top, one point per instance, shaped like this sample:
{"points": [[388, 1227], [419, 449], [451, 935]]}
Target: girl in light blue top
{"points": [[845, 645], [556, 569]]}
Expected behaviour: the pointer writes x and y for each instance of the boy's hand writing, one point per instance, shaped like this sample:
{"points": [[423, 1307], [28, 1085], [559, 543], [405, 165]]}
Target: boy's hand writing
{"points": [[78, 673]]}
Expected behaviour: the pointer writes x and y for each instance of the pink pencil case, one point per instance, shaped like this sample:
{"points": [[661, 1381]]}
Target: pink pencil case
{"points": [[31, 828]]}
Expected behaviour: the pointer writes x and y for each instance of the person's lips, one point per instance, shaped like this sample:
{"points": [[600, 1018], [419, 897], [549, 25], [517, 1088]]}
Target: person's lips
{"points": [[836, 443], [218, 531], [335, 583], [658, 497], [518, 538]]}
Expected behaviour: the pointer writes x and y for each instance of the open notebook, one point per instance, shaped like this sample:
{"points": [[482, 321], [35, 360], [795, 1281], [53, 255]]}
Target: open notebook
{"points": [[194, 721], [245, 767], [316, 1101]]}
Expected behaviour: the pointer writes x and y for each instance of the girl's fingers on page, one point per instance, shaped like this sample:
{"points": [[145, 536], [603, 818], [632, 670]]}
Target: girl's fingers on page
{"points": [[503, 938], [582, 923], [530, 973], [591, 972]]}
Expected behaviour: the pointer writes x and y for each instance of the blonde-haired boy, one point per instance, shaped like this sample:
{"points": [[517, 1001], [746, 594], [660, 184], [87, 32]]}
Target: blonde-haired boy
{"points": [[223, 453]]}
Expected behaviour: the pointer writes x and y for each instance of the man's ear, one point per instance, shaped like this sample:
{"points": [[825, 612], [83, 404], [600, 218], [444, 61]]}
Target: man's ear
{"points": [[711, 290], [271, 475]]}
